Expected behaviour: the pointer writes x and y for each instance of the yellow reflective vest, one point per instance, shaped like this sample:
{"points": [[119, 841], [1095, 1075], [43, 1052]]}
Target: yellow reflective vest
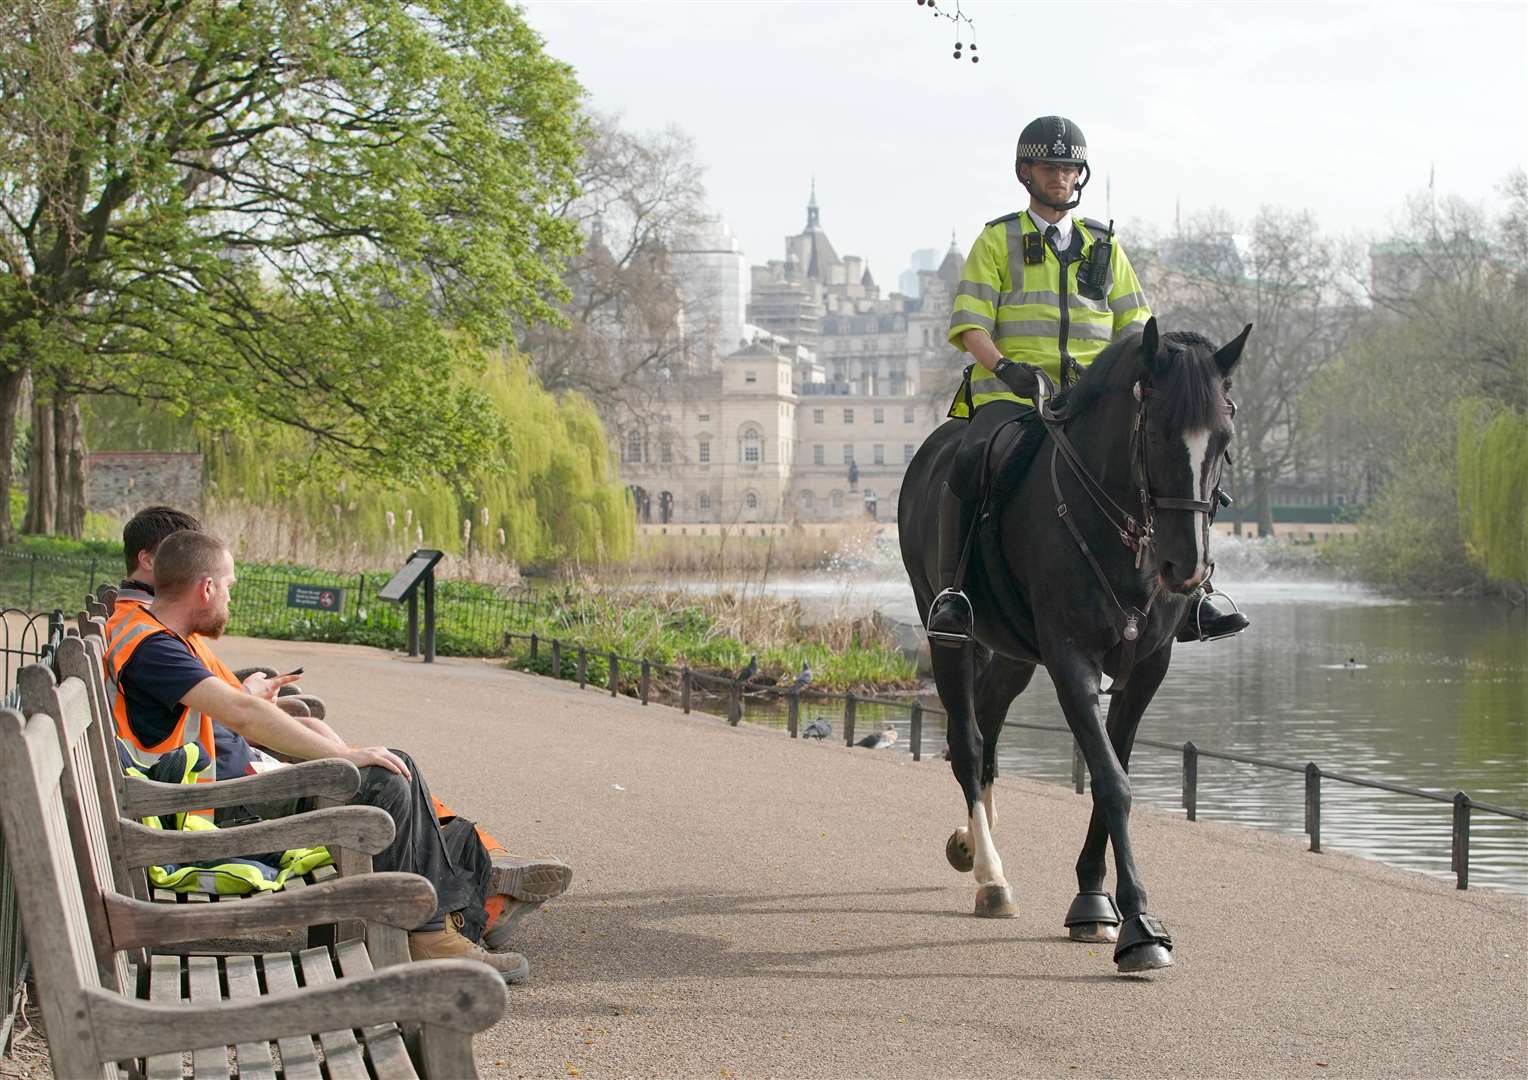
{"points": [[1037, 312]]}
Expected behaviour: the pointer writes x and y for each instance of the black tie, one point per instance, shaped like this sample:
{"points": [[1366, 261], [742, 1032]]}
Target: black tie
{"points": [[1050, 238]]}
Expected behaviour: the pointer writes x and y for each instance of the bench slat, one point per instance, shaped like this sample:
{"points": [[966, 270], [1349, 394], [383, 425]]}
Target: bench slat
{"points": [[384, 1042], [342, 1053], [254, 1059], [164, 988], [206, 988], [299, 1057]]}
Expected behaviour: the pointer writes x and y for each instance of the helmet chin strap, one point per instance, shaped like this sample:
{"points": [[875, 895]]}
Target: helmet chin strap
{"points": [[1086, 172]]}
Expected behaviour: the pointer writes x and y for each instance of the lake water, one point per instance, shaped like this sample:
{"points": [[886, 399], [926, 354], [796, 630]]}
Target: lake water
{"points": [[1439, 701]]}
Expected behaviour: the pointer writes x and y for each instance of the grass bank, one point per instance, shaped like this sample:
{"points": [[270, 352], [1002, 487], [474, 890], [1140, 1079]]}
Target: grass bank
{"points": [[714, 632]]}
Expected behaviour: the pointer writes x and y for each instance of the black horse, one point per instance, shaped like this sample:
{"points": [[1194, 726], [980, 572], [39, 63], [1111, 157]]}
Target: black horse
{"points": [[1061, 573]]}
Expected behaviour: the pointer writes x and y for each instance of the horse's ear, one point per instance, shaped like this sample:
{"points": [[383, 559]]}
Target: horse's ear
{"points": [[1229, 354], [1149, 343]]}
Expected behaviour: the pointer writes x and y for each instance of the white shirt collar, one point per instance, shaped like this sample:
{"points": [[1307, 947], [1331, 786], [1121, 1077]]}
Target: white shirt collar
{"points": [[1063, 229]]}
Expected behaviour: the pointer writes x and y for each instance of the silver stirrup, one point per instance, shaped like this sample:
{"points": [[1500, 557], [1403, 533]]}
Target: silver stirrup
{"points": [[1199, 626], [941, 636]]}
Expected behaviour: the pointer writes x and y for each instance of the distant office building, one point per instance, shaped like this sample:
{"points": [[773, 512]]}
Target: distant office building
{"points": [[713, 283], [922, 259]]}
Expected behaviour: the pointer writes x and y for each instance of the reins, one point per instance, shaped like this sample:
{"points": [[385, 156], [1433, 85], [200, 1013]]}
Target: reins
{"points": [[1136, 533]]}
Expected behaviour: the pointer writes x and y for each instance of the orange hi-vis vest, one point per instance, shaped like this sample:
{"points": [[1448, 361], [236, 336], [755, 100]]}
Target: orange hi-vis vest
{"points": [[129, 600], [131, 625]]}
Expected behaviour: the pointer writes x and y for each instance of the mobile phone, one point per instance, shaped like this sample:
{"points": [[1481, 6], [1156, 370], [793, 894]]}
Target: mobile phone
{"points": [[295, 671]]}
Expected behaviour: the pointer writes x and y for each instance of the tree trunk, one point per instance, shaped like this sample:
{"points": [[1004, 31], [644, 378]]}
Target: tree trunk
{"points": [[42, 462], [69, 449], [12, 388], [1264, 503]]}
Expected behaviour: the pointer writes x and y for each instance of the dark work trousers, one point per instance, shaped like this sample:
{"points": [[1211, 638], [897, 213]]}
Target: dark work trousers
{"points": [[965, 477], [449, 857]]}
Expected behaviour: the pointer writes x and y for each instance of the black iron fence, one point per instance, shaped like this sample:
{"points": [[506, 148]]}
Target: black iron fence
{"points": [[470, 618], [606, 669], [27, 638]]}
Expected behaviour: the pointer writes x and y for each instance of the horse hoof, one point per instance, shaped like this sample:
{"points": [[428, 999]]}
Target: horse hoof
{"points": [[1149, 957], [958, 850], [1100, 932], [995, 902]]}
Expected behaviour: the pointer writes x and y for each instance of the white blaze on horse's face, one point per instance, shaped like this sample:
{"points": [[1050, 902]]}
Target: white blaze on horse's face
{"points": [[1198, 446]]}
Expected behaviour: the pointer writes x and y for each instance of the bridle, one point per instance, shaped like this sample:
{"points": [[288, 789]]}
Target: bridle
{"points": [[1135, 531]]}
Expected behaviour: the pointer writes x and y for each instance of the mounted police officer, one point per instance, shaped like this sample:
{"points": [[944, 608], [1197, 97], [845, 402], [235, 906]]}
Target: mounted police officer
{"points": [[1042, 291]]}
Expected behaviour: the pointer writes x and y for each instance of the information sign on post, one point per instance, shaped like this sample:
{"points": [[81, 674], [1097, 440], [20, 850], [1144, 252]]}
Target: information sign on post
{"points": [[417, 575], [315, 597]]}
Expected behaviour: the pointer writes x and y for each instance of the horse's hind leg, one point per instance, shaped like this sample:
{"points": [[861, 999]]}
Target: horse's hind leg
{"points": [[975, 707], [1093, 916]]}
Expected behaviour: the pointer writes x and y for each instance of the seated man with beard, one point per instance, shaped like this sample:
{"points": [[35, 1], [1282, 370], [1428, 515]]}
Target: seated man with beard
{"points": [[168, 696]]}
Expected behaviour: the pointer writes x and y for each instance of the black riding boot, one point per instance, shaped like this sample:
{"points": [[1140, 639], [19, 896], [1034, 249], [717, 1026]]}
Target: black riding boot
{"points": [[1206, 622], [949, 616]]}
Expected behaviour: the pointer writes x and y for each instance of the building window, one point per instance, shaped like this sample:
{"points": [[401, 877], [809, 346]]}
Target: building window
{"points": [[848, 416], [816, 416], [807, 500], [907, 453], [704, 456], [751, 500], [704, 418], [848, 453], [818, 454], [928, 336], [878, 415], [837, 499], [878, 454], [752, 447], [750, 376], [633, 446], [704, 502], [666, 452], [907, 414]]}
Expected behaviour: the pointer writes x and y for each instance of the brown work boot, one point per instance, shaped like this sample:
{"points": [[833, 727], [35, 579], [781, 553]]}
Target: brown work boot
{"points": [[535, 877], [449, 944]]}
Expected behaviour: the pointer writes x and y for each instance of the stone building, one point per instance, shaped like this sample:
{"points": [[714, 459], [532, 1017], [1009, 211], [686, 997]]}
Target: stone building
{"points": [[816, 417]]}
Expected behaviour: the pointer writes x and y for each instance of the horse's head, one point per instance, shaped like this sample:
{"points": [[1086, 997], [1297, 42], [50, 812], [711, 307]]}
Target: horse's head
{"points": [[1187, 430]]}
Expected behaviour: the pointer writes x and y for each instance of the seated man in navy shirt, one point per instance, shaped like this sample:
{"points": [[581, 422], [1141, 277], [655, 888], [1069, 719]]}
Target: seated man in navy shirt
{"points": [[164, 686]]}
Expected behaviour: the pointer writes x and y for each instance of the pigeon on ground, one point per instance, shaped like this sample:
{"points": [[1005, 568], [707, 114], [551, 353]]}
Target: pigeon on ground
{"points": [[879, 740], [804, 679], [750, 670], [817, 729]]}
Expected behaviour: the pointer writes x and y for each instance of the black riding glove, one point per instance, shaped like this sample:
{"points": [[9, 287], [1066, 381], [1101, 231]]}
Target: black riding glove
{"points": [[1022, 379]]}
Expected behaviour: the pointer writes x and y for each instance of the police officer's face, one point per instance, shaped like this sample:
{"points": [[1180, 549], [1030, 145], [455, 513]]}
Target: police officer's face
{"points": [[1056, 181]]}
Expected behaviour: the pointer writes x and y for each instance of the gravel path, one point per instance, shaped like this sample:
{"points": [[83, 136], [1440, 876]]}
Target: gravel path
{"points": [[744, 905]]}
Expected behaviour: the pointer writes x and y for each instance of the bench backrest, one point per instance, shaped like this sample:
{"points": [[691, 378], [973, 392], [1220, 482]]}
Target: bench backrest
{"points": [[49, 889]]}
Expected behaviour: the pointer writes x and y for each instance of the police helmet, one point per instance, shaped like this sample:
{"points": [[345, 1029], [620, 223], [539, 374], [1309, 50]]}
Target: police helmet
{"points": [[1054, 140]]}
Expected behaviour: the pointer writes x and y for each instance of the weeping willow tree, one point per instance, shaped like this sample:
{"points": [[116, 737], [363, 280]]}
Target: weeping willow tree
{"points": [[1493, 488], [550, 496]]}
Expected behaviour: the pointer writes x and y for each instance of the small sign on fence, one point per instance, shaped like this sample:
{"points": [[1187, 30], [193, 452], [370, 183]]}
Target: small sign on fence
{"points": [[315, 597]]}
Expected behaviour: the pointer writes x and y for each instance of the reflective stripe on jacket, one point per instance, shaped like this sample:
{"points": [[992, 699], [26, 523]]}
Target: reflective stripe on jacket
{"points": [[1035, 312], [134, 628]]}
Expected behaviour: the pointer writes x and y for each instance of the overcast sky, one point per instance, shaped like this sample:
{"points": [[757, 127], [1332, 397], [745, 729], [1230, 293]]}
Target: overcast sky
{"points": [[1341, 108]]}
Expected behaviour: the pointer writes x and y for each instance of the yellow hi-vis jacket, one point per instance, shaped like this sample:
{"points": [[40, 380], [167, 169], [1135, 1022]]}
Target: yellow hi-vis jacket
{"points": [[1036, 313]]}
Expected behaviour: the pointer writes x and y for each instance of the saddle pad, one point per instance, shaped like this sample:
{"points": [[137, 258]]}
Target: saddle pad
{"points": [[1012, 450]]}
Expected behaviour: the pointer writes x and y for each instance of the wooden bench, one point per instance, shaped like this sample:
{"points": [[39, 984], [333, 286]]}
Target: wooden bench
{"points": [[319, 1012]]}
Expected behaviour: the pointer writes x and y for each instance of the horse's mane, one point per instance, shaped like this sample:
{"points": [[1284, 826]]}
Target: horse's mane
{"points": [[1188, 393]]}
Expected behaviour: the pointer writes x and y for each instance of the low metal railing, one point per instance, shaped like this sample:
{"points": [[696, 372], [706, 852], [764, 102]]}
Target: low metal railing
{"points": [[736, 691]]}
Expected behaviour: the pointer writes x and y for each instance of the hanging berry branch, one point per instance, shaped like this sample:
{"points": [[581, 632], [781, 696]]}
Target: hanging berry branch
{"points": [[964, 27]]}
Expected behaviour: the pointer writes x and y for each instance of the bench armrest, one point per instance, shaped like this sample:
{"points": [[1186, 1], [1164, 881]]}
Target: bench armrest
{"points": [[327, 778], [460, 995], [358, 828], [385, 899]]}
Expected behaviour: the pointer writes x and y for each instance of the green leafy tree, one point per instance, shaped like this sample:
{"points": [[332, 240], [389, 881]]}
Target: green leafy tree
{"points": [[307, 213]]}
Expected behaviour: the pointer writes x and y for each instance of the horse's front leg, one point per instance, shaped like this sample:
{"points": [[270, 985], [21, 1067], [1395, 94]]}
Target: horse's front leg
{"points": [[971, 847], [1093, 915], [1144, 943]]}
